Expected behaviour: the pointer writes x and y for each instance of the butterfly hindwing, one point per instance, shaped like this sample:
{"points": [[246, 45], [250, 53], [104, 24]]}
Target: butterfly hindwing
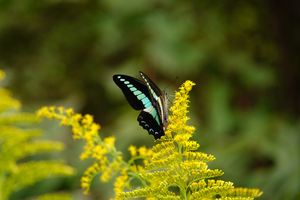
{"points": [[147, 121], [145, 96]]}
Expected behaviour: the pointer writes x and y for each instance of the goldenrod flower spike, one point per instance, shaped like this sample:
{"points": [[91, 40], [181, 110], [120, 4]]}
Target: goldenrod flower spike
{"points": [[178, 118], [17, 143], [108, 161], [174, 164]]}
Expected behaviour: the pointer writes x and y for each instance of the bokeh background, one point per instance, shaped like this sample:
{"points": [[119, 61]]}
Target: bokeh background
{"points": [[242, 55]]}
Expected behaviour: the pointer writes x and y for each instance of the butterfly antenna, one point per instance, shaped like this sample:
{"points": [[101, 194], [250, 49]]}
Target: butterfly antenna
{"points": [[171, 83], [168, 100]]}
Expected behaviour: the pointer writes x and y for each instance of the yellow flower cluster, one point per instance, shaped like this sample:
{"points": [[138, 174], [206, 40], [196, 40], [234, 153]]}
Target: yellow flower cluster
{"points": [[166, 155], [212, 188], [179, 117], [7, 102], [120, 183], [175, 164], [243, 192], [141, 153], [108, 169], [83, 127], [109, 161], [132, 149], [88, 176]]}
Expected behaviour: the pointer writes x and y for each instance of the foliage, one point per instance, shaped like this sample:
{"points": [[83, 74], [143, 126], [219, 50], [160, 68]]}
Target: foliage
{"points": [[171, 163], [243, 56], [16, 144]]}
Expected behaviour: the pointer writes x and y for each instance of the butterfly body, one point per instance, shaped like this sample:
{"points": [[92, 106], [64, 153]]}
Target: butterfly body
{"points": [[146, 96]]}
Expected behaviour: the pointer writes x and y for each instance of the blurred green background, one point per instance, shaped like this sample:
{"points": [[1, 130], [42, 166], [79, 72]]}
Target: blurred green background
{"points": [[242, 55]]}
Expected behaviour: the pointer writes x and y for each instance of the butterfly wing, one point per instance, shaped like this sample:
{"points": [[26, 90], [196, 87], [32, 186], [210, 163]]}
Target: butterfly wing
{"points": [[150, 121], [146, 97], [135, 91], [159, 99]]}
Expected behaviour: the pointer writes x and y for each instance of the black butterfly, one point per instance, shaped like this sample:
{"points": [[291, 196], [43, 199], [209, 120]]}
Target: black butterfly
{"points": [[146, 96]]}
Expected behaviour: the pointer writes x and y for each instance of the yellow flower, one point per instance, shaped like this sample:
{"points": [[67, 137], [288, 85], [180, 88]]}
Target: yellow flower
{"points": [[103, 162], [65, 121], [94, 129], [61, 110], [133, 168], [87, 121], [143, 151], [87, 177], [132, 150], [77, 117], [109, 142], [141, 169], [77, 132], [98, 152], [44, 112], [69, 112], [106, 175], [121, 182]]}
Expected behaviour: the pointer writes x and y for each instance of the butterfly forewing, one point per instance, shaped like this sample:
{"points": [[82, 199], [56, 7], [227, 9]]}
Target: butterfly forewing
{"points": [[135, 91], [152, 87]]}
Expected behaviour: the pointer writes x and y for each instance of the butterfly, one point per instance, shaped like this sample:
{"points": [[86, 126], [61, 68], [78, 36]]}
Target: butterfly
{"points": [[146, 96]]}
